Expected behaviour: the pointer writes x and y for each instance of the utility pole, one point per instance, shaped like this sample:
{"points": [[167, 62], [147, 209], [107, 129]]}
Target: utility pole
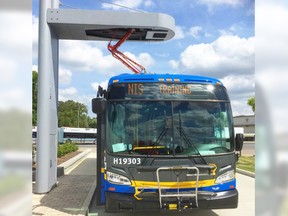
{"points": [[78, 113]]}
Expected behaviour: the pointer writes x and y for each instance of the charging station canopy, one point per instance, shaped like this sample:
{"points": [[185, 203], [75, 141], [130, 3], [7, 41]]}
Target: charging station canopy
{"points": [[106, 25]]}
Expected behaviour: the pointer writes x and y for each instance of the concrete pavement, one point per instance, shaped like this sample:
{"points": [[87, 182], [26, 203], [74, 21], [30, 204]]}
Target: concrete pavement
{"points": [[73, 194]]}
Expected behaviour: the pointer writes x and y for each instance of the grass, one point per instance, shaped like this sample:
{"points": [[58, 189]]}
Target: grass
{"points": [[246, 163]]}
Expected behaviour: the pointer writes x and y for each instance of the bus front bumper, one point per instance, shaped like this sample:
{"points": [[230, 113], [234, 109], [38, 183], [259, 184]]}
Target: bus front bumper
{"points": [[119, 202]]}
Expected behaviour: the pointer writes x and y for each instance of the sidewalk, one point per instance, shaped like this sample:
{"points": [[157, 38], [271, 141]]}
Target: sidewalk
{"points": [[73, 193]]}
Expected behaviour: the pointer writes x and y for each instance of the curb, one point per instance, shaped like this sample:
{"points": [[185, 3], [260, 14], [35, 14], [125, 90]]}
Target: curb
{"points": [[67, 165], [89, 197], [64, 167], [244, 172]]}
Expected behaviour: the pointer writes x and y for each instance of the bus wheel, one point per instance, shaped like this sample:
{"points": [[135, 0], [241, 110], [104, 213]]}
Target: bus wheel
{"points": [[68, 141]]}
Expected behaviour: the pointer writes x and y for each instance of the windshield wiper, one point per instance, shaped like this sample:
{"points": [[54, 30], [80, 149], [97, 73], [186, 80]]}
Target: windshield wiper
{"points": [[158, 140], [161, 135], [188, 141], [164, 130]]}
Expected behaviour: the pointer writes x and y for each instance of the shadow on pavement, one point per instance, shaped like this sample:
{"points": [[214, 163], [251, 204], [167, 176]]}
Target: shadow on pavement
{"points": [[71, 192]]}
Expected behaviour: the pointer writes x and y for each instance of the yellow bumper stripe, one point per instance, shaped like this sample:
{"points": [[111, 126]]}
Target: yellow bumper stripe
{"points": [[187, 184]]}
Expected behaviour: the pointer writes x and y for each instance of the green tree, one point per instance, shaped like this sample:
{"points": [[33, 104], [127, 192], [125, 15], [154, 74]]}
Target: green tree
{"points": [[34, 97], [92, 122], [251, 102], [72, 114]]}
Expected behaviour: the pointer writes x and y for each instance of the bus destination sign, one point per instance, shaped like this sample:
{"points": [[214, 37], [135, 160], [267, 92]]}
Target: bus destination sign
{"points": [[173, 89]]}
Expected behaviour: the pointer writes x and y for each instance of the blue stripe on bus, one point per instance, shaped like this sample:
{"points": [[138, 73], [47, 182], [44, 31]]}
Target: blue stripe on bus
{"points": [[125, 78]]}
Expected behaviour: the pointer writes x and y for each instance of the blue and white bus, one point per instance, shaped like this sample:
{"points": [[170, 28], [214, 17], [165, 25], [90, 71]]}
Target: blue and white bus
{"points": [[167, 143], [79, 135], [71, 134]]}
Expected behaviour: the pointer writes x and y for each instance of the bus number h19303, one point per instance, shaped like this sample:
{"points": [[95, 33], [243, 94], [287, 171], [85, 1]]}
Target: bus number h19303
{"points": [[126, 161]]}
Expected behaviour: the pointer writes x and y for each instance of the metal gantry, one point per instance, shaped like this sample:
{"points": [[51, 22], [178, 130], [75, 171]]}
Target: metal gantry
{"points": [[56, 24]]}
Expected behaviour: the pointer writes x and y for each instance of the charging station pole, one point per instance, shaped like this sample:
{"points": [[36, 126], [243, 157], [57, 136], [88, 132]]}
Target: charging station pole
{"points": [[47, 118]]}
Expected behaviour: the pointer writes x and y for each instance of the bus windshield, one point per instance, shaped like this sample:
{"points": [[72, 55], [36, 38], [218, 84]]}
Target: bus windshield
{"points": [[169, 127]]}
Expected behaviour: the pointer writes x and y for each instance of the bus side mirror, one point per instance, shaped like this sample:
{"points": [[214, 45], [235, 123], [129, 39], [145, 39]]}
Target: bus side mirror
{"points": [[239, 141], [98, 105]]}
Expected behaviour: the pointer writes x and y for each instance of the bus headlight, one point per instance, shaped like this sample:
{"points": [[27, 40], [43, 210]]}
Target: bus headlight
{"points": [[117, 179], [227, 176]]}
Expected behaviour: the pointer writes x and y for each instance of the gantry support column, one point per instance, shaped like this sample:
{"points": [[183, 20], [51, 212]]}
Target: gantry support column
{"points": [[47, 118]]}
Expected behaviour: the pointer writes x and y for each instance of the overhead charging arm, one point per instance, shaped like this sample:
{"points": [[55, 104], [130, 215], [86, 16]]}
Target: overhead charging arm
{"points": [[132, 65]]}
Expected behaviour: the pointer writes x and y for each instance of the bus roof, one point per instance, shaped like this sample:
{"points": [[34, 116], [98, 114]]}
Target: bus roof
{"points": [[72, 129], [177, 78], [79, 130]]}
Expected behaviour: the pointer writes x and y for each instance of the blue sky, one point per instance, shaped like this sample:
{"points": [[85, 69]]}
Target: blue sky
{"points": [[213, 38]]}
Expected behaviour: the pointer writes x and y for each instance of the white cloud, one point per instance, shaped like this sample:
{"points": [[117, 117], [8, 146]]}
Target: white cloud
{"points": [[103, 84], [232, 3], [179, 33], [146, 59], [240, 88], [67, 94], [199, 56], [116, 4], [229, 58], [237, 27], [148, 3], [233, 46], [174, 64], [35, 27], [194, 31], [83, 56], [211, 4], [68, 91], [251, 11], [244, 85], [240, 107], [143, 59], [65, 76], [35, 68], [226, 55]]}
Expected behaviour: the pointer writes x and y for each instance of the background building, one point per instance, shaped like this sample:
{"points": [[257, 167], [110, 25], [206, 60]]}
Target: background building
{"points": [[248, 124]]}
